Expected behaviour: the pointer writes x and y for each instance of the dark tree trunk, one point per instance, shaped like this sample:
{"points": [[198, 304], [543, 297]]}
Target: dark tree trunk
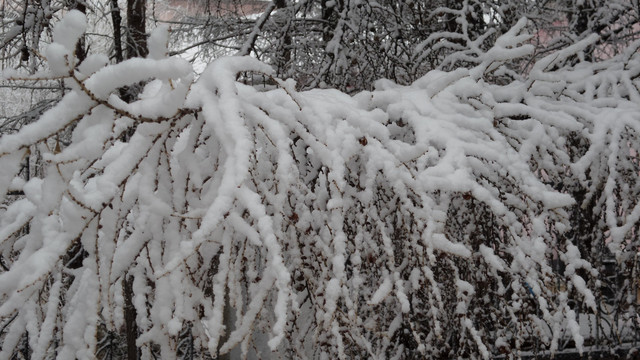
{"points": [[117, 32], [286, 41], [81, 52], [136, 46], [136, 35], [131, 326]]}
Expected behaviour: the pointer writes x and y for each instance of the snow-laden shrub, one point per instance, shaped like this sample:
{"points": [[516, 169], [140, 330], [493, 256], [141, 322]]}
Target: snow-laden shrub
{"points": [[407, 222]]}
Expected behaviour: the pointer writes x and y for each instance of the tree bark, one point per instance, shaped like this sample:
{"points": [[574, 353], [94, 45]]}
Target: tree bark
{"points": [[136, 35], [131, 327], [81, 52], [286, 42], [136, 46], [117, 32]]}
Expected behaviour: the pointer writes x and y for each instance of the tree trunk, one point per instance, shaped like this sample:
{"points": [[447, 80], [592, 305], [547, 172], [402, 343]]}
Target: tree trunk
{"points": [[136, 35], [131, 327], [286, 43], [117, 33], [136, 46], [81, 52]]}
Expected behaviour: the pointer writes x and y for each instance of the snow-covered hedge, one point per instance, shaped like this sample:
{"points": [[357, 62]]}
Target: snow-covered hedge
{"points": [[410, 221]]}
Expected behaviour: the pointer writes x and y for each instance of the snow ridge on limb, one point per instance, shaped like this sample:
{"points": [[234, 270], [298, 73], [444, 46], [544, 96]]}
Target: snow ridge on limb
{"points": [[416, 219]]}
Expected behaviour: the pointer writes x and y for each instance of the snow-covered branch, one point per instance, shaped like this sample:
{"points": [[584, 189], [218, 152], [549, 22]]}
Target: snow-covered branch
{"points": [[420, 219]]}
